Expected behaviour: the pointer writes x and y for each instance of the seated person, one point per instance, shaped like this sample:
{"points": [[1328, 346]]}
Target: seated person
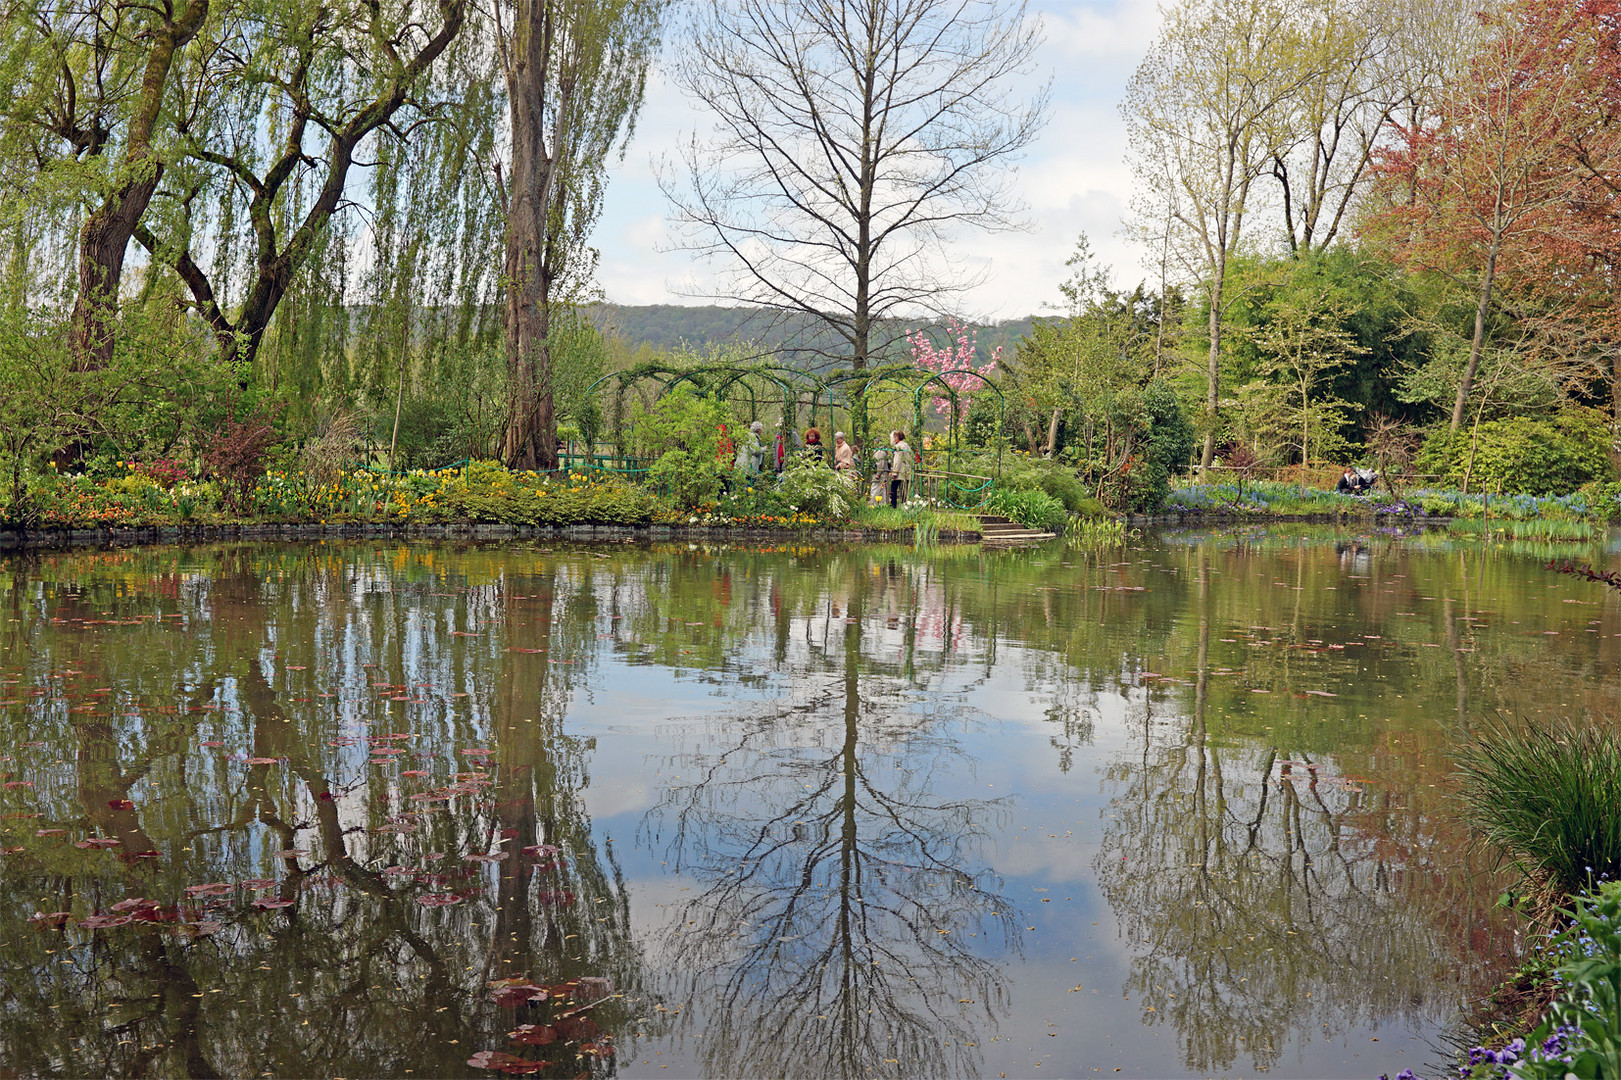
{"points": [[1355, 481]]}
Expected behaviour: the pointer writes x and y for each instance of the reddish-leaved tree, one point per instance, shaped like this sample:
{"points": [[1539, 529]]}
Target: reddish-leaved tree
{"points": [[1476, 190]]}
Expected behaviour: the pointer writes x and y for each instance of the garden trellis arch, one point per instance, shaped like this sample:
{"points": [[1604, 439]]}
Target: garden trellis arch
{"points": [[849, 391]]}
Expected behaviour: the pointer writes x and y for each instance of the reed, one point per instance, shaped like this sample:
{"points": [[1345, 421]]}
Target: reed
{"points": [[1548, 799]]}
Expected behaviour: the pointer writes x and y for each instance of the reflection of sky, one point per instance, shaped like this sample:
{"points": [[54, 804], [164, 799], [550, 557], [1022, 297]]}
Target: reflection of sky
{"points": [[1068, 1015], [1023, 686]]}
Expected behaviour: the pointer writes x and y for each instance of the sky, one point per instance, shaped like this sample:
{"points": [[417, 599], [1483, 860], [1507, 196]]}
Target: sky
{"points": [[1073, 179]]}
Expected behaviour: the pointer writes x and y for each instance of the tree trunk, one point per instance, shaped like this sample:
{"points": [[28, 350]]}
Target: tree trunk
{"points": [[105, 236], [1615, 387], [1052, 431], [531, 435], [1213, 368], [1478, 344]]}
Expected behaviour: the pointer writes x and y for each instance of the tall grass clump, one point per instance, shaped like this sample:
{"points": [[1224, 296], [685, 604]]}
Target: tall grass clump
{"points": [[1094, 532], [1032, 508], [1548, 799]]}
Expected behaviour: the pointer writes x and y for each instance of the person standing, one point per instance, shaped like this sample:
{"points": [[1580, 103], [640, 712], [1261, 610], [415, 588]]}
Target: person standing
{"points": [[880, 477], [900, 468], [814, 450], [844, 455], [750, 454]]}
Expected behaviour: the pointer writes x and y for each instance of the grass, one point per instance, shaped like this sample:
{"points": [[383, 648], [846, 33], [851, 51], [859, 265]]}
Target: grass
{"points": [[1548, 799], [1551, 528], [902, 519], [1095, 532]]}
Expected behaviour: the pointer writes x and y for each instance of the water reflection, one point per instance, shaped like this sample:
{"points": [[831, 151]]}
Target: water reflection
{"points": [[376, 809], [1269, 890], [846, 923], [311, 904]]}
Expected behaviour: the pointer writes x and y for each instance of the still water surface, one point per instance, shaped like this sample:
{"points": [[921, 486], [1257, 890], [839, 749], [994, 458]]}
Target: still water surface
{"points": [[376, 810]]}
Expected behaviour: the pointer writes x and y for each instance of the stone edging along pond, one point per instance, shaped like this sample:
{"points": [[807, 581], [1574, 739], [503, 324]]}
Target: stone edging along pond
{"points": [[1230, 517], [56, 539]]}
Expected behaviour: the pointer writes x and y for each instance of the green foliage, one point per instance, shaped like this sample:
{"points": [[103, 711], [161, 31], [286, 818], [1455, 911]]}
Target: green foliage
{"points": [[888, 518], [688, 480], [1602, 499], [1548, 799], [809, 488], [1550, 454], [1023, 473], [457, 413], [682, 420], [1580, 1035], [1032, 508], [486, 492], [1144, 483]]}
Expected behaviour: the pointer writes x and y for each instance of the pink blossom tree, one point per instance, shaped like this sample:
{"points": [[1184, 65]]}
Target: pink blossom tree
{"points": [[955, 363]]}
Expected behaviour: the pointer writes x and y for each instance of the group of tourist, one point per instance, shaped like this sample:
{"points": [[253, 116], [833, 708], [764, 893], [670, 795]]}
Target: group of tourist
{"points": [[752, 456]]}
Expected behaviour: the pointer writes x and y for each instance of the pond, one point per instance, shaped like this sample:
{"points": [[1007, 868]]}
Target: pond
{"points": [[376, 809]]}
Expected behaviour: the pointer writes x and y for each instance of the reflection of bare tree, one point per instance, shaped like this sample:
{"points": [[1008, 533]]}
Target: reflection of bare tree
{"points": [[1266, 896], [845, 927]]}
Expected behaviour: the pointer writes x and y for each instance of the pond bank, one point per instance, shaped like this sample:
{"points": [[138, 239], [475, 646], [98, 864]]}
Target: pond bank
{"points": [[63, 539], [1251, 517]]}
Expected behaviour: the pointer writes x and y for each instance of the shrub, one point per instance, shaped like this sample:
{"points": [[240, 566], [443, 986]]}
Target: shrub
{"points": [[689, 480], [237, 451], [1602, 501], [1034, 509], [815, 489], [486, 492], [1537, 455], [1549, 800]]}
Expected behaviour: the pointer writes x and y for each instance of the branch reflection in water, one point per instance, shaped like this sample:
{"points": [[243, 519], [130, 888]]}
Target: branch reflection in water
{"points": [[1267, 893], [846, 924], [342, 927]]}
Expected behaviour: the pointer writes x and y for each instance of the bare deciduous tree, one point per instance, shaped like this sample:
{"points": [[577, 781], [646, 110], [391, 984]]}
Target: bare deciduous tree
{"points": [[852, 139]]}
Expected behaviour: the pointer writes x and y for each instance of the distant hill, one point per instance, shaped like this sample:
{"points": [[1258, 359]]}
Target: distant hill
{"points": [[666, 326]]}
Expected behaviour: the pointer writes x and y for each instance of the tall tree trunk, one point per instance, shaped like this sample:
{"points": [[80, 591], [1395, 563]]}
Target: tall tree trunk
{"points": [[1213, 367], [1478, 344], [531, 435], [104, 238]]}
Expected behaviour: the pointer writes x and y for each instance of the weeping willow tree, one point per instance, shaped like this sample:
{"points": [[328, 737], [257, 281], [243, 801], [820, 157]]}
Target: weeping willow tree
{"points": [[575, 72], [324, 190], [82, 122]]}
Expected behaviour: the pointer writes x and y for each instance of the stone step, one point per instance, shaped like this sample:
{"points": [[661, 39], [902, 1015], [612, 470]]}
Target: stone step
{"points": [[1014, 539], [995, 519]]}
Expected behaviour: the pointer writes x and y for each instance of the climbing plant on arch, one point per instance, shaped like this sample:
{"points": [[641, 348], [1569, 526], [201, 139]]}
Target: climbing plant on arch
{"points": [[776, 394]]}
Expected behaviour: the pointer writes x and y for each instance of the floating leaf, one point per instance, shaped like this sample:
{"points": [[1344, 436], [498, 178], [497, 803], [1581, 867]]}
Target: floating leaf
{"points": [[97, 842], [501, 1061], [438, 899]]}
